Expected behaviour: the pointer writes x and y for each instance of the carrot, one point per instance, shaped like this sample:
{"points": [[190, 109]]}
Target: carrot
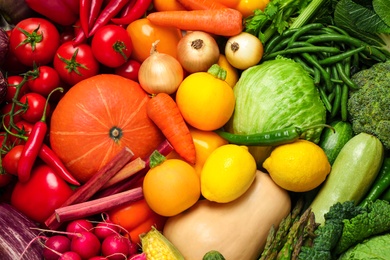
{"points": [[201, 4], [164, 112], [223, 22]]}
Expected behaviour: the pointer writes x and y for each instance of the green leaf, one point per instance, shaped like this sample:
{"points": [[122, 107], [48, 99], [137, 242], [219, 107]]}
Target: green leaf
{"points": [[382, 9]]}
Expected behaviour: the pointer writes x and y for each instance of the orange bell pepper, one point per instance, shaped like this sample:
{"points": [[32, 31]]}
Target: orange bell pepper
{"points": [[137, 218]]}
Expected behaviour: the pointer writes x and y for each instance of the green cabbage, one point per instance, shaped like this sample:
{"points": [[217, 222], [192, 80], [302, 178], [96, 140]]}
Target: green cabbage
{"points": [[274, 95]]}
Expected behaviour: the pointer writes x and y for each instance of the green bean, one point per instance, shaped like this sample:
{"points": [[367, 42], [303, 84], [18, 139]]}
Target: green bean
{"points": [[336, 102], [304, 65], [331, 96], [344, 103], [304, 29], [277, 39], [324, 74], [347, 80], [301, 50], [340, 57], [317, 76], [334, 76], [370, 50], [338, 29], [325, 99]]}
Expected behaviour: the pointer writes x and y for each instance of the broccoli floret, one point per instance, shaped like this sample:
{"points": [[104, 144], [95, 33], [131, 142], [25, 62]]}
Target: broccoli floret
{"points": [[374, 221], [369, 105]]}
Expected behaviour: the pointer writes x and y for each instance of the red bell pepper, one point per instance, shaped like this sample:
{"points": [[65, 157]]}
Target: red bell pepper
{"points": [[59, 11]]}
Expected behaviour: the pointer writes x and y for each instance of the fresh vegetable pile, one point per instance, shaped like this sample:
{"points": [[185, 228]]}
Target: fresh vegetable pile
{"points": [[195, 129]]}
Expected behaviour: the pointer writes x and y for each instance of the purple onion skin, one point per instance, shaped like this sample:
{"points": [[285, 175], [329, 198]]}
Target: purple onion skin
{"points": [[3, 88], [4, 45]]}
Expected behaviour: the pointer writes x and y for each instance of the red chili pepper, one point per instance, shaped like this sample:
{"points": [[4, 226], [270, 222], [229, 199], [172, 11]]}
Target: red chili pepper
{"points": [[33, 145], [96, 5], [111, 9], [48, 156], [85, 6], [139, 9]]}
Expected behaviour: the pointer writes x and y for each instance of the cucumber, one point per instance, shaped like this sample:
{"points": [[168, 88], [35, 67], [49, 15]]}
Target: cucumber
{"points": [[352, 174], [332, 140]]}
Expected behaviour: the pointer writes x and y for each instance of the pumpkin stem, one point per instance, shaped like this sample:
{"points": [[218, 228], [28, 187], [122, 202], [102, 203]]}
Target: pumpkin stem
{"points": [[116, 133], [217, 71]]}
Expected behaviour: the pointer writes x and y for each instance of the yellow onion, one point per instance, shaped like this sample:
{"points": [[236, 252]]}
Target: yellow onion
{"points": [[197, 51], [160, 73]]}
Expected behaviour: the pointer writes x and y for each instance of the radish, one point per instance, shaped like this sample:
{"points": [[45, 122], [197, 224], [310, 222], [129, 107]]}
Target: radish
{"points": [[86, 244], [105, 229], [70, 256], [115, 247], [55, 246], [76, 226], [98, 258]]}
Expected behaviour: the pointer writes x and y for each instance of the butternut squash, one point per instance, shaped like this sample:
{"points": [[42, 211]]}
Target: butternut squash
{"points": [[238, 229]]}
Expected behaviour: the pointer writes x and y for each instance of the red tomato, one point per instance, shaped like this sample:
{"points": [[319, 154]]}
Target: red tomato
{"points": [[22, 128], [34, 40], [13, 82], [5, 179], [44, 81], [11, 159], [5, 110], [44, 192], [74, 64], [35, 105], [129, 70], [112, 45]]}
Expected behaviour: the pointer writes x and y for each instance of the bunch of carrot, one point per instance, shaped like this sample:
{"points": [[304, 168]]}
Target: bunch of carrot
{"points": [[203, 15]]}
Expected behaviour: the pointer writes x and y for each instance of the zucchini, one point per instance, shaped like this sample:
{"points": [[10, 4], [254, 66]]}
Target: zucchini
{"points": [[352, 174], [332, 140]]}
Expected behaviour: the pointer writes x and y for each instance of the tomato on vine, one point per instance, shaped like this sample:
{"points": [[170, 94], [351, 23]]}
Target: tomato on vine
{"points": [[34, 107], [74, 64], [34, 40], [112, 45], [13, 81], [43, 80]]}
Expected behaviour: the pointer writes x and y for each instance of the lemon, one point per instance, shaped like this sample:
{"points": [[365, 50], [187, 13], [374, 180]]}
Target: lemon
{"points": [[227, 173], [299, 166]]}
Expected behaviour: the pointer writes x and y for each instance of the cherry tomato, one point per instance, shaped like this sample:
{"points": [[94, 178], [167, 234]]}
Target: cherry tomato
{"points": [[13, 82], [143, 34], [34, 40], [5, 110], [5, 179], [11, 159], [44, 192], [74, 64], [35, 105], [22, 128], [45, 80], [129, 70], [112, 45]]}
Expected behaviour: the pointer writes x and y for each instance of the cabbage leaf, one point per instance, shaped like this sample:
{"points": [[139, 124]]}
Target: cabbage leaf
{"points": [[274, 95]]}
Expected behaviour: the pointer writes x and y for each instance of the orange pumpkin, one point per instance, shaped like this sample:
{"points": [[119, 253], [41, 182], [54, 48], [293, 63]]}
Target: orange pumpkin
{"points": [[96, 118]]}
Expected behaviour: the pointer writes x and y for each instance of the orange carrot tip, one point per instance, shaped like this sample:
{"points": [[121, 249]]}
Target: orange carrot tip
{"points": [[223, 22], [164, 112]]}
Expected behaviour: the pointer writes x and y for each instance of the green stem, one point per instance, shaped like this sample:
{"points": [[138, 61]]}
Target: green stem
{"points": [[307, 13]]}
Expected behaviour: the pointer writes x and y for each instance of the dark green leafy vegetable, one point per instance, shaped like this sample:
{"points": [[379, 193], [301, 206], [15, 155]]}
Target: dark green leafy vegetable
{"points": [[373, 221], [377, 248], [370, 23], [328, 234]]}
